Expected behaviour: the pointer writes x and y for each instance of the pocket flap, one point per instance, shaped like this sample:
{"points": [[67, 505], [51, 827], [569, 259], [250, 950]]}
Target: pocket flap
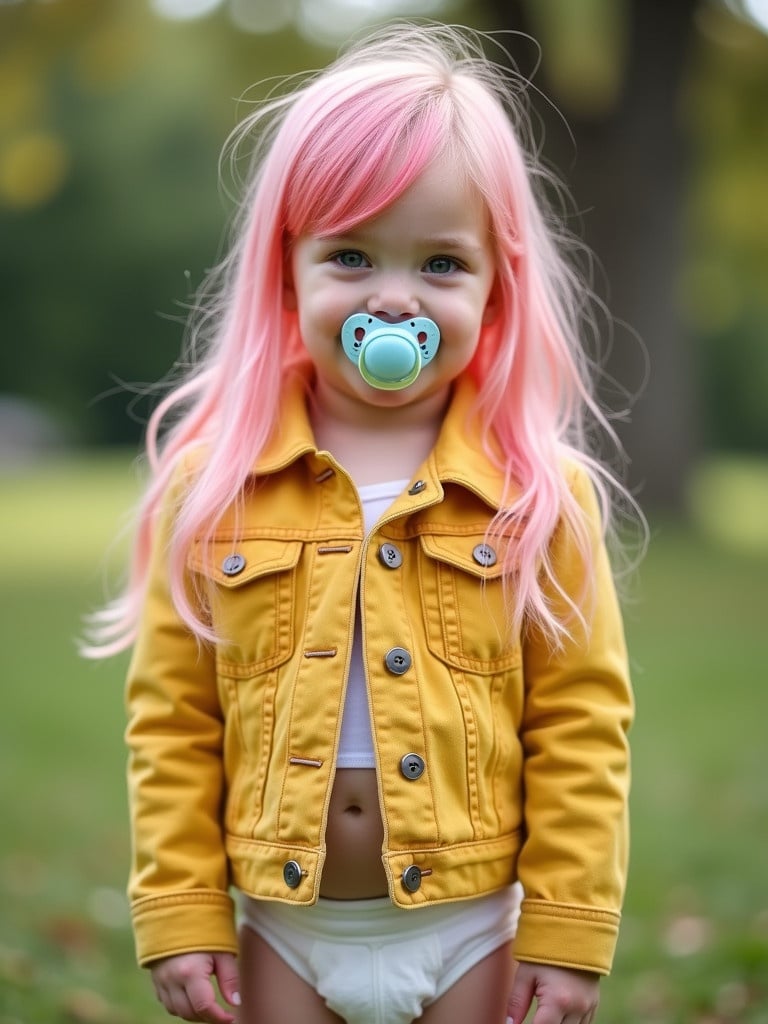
{"points": [[472, 553], [233, 563]]}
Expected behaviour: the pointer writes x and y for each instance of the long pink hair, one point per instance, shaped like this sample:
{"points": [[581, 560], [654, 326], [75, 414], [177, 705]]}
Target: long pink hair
{"points": [[334, 151]]}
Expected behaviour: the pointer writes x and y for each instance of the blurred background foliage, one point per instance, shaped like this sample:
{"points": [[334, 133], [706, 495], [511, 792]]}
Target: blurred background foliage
{"points": [[724, 280], [112, 113]]}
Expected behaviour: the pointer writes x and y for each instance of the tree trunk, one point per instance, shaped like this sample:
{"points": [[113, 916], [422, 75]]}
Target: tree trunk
{"points": [[627, 180]]}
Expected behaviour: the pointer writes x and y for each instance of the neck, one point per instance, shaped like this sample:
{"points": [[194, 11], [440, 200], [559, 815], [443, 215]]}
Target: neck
{"points": [[385, 444], [394, 414]]}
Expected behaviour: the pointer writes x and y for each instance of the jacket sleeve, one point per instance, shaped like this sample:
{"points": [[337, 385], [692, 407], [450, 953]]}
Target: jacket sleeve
{"points": [[578, 709], [179, 880]]}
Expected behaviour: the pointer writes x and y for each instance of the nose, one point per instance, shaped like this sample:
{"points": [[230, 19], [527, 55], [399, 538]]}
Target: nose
{"points": [[393, 298]]}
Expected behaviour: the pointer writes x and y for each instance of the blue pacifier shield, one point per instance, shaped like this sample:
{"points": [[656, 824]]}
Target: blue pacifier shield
{"points": [[389, 356]]}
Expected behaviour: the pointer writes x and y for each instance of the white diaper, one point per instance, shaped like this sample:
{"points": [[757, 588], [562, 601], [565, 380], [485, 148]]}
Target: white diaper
{"points": [[374, 963]]}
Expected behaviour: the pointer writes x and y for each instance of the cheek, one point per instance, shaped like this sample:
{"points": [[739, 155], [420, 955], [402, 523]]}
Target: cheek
{"points": [[462, 320], [320, 314], [326, 305]]}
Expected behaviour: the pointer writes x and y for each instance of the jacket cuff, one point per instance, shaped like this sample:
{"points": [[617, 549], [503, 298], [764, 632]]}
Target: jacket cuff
{"points": [[582, 938], [190, 922]]}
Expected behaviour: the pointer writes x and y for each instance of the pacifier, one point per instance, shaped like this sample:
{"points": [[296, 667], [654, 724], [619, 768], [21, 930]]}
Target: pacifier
{"points": [[389, 356]]}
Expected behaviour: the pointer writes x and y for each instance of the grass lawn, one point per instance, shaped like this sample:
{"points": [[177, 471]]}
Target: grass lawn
{"points": [[694, 947]]}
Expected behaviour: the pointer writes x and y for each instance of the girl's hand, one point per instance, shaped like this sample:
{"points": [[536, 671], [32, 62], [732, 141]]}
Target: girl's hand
{"points": [[563, 996], [183, 985]]}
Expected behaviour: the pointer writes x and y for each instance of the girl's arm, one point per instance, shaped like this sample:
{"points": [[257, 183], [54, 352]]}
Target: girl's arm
{"points": [[578, 707], [179, 877]]}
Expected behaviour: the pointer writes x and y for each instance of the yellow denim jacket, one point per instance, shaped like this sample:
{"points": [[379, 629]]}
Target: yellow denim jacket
{"points": [[521, 755]]}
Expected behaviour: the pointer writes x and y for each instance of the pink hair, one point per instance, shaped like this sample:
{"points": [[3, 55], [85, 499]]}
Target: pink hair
{"points": [[335, 151]]}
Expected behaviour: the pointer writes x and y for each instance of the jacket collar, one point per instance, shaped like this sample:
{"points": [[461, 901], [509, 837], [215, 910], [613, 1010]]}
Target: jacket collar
{"points": [[459, 456], [463, 456], [293, 436]]}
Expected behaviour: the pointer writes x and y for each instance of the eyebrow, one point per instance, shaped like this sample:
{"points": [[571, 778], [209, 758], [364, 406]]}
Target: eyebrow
{"points": [[451, 242], [435, 242]]}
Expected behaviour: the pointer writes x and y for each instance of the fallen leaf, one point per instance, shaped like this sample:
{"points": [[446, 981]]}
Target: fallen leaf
{"points": [[71, 934], [84, 1006], [17, 967], [687, 935], [108, 907]]}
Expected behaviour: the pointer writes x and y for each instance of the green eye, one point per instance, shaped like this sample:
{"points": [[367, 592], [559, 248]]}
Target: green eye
{"points": [[351, 259], [440, 265]]}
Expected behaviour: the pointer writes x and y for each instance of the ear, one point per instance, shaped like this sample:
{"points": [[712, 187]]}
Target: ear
{"points": [[290, 302], [493, 304]]}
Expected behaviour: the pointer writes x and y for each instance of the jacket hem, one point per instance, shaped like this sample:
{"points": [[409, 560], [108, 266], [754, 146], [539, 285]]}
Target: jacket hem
{"points": [[446, 874]]}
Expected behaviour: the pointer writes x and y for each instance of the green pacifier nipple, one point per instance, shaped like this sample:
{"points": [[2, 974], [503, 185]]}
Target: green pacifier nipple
{"points": [[389, 356], [390, 360]]}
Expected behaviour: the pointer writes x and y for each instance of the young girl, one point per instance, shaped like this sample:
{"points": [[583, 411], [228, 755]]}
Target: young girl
{"points": [[379, 685]]}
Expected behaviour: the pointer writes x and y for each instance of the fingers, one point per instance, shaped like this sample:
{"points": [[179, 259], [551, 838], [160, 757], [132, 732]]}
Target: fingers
{"points": [[183, 985], [523, 991], [225, 969], [563, 996], [202, 1000], [196, 1002], [573, 1010]]}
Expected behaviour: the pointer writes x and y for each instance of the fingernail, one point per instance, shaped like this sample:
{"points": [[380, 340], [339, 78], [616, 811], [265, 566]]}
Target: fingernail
{"points": [[509, 1021], [236, 999]]}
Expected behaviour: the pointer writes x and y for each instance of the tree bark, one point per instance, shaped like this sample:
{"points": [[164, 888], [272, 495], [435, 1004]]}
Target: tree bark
{"points": [[627, 177]]}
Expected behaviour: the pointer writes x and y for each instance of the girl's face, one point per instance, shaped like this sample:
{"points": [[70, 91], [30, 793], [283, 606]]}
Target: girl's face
{"points": [[428, 254]]}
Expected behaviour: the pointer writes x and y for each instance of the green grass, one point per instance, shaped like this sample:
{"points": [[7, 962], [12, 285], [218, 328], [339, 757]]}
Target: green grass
{"points": [[694, 947]]}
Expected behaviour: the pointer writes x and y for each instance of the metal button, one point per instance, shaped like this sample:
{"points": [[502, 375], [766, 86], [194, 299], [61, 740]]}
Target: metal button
{"points": [[412, 766], [292, 874], [484, 555], [232, 565], [418, 487], [391, 556], [398, 661], [412, 878]]}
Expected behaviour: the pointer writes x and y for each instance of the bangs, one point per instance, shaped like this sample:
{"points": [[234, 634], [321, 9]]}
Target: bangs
{"points": [[380, 139]]}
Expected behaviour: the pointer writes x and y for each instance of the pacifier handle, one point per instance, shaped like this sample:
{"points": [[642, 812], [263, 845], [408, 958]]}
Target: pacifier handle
{"points": [[389, 356]]}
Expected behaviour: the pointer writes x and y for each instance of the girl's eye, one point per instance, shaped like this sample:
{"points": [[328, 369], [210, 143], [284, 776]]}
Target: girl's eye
{"points": [[351, 259], [441, 265]]}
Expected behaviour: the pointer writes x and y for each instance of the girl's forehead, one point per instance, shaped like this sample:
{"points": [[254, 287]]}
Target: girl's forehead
{"points": [[356, 162], [441, 199]]}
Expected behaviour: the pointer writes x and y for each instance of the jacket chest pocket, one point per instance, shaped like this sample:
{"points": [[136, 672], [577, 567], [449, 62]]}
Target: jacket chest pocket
{"points": [[250, 588], [464, 605]]}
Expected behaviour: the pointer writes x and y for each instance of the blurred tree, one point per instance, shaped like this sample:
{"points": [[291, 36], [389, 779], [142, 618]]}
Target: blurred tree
{"points": [[110, 124], [725, 297], [615, 69], [111, 119]]}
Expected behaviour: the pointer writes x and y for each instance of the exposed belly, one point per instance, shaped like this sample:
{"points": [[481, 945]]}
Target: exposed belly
{"points": [[354, 834]]}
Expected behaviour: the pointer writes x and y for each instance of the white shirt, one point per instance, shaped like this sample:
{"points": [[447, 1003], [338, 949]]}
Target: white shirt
{"points": [[356, 745]]}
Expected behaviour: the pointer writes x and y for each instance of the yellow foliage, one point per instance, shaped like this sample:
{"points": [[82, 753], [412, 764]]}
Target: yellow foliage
{"points": [[108, 54], [22, 87], [584, 51], [728, 501], [33, 168]]}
